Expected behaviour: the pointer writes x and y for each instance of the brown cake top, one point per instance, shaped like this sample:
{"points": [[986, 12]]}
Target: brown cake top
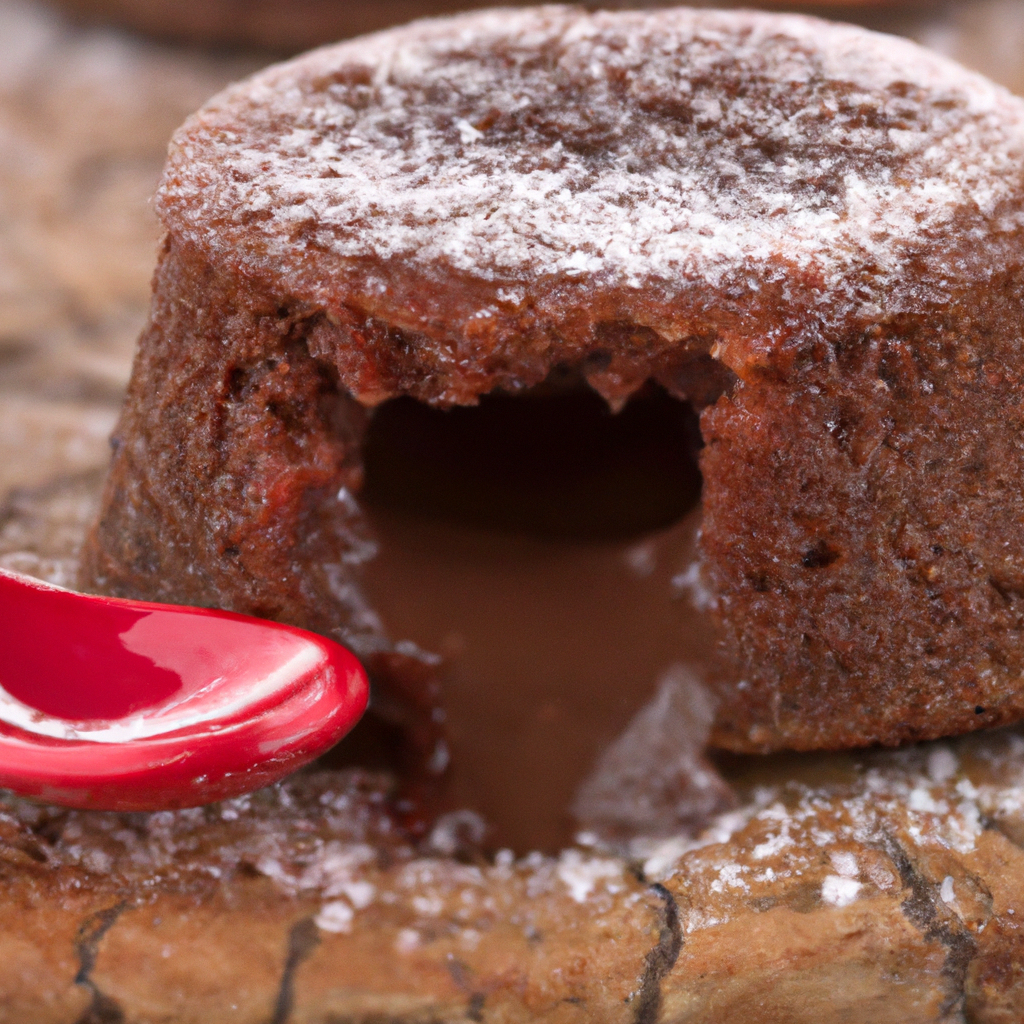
{"points": [[614, 149]]}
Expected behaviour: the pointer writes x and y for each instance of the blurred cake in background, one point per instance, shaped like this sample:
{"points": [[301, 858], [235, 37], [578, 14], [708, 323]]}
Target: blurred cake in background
{"points": [[293, 25]]}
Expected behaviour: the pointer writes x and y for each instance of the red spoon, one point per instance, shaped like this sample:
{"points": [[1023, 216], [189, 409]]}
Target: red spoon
{"points": [[126, 705]]}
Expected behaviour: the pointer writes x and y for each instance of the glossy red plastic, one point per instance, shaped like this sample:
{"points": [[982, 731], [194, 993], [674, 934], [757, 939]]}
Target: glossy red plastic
{"points": [[126, 705]]}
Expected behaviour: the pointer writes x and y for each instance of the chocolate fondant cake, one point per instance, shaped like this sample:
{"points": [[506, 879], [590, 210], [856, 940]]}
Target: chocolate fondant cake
{"points": [[811, 234]]}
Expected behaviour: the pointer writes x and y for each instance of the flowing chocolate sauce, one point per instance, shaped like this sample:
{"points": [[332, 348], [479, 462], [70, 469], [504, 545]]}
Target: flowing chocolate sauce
{"points": [[544, 548]]}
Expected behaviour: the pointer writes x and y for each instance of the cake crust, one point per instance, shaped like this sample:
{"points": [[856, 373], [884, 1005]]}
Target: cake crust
{"points": [[814, 233]]}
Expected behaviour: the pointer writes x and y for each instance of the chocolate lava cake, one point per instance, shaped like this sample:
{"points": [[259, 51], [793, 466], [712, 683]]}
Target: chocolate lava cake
{"points": [[811, 235]]}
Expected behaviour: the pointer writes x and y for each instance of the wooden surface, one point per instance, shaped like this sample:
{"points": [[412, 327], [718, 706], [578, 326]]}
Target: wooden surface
{"points": [[882, 890]]}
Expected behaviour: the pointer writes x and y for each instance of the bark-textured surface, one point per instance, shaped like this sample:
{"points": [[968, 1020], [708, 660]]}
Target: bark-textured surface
{"points": [[884, 889]]}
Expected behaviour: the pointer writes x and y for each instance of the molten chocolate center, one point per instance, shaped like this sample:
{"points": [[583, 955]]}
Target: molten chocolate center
{"points": [[544, 548]]}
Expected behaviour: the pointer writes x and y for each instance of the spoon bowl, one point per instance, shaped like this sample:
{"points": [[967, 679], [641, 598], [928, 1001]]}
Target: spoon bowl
{"points": [[114, 704]]}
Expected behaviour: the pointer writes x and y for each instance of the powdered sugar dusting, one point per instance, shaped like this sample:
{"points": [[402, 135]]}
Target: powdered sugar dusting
{"points": [[622, 147], [839, 891], [581, 874]]}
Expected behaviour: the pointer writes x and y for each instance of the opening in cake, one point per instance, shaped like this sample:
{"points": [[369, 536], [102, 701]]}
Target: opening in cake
{"points": [[554, 463], [544, 547]]}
